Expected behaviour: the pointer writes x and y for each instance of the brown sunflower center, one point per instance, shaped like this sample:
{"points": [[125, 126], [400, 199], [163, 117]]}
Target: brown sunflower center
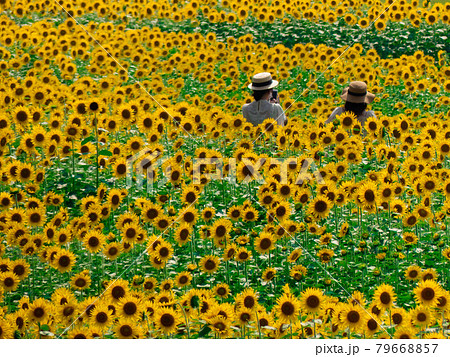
{"points": [[126, 330], [118, 292], [39, 312], [210, 264], [167, 320], [130, 308], [385, 298], [313, 301], [353, 316], [428, 294], [265, 243], [287, 308]]}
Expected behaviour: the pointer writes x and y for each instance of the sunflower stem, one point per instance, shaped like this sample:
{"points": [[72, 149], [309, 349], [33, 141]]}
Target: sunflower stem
{"points": [[185, 320], [259, 327]]}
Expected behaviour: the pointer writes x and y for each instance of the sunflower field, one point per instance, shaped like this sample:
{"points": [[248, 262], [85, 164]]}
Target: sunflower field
{"points": [[115, 117]]}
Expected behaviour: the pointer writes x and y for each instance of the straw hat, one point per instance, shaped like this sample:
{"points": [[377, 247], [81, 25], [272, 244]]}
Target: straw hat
{"points": [[262, 81], [357, 92]]}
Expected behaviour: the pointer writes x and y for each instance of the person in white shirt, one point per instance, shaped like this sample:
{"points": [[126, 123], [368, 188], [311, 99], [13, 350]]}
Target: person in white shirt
{"points": [[264, 106], [356, 99]]}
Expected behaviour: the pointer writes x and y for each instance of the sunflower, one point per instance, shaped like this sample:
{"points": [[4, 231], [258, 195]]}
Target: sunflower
{"points": [[129, 308], [183, 234], [311, 300], [64, 261], [444, 301], [183, 279], [101, 317], [80, 281], [21, 268], [221, 228], [9, 281], [234, 212], [114, 198], [250, 214], [189, 195], [409, 238], [287, 308], [220, 326], [150, 284], [413, 272], [422, 316], [357, 298], [244, 316], [410, 219], [127, 329], [405, 333], [6, 200], [68, 311], [21, 115], [269, 274], [352, 317], [120, 168], [427, 293], [36, 217], [130, 232], [189, 216], [25, 172], [6, 329], [429, 274], [384, 296], [162, 222], [112, 250], [229, 252], [150, 212], [367, 194], [40, 310], [167, 320], [163, 251], [166, 285], [209, 264], [242, 255], [94, 241], [264, 243], [325, 255], [320, 207], [222, 290], [117, 290], [298, 272], [347, 120], [399, 317], [62, 296], [208, 213], [371, 326]]}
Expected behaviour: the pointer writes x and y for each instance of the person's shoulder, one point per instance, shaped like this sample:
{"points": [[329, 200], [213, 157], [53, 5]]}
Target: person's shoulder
{"points": [[370, 113], [277, 106], [246, 106]]}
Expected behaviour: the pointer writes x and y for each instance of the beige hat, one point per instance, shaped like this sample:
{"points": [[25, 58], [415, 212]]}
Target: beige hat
{"points": [[357, 92], [262, 81]]}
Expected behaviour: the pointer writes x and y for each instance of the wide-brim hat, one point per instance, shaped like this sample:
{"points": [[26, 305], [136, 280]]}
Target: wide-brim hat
{"points": [[357, 92], [262, 81]]}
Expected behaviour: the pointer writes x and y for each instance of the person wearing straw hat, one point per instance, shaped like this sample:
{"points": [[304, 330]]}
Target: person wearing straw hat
{"points": [[356, 98], [264, 106]]}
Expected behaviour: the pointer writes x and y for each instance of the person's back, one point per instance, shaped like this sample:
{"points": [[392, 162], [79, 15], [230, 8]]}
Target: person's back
{"points": [[361, 117], [258, 111]]}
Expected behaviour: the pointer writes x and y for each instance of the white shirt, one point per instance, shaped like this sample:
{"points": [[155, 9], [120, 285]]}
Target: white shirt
{"points": [[361, 118], [257, 111]]}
